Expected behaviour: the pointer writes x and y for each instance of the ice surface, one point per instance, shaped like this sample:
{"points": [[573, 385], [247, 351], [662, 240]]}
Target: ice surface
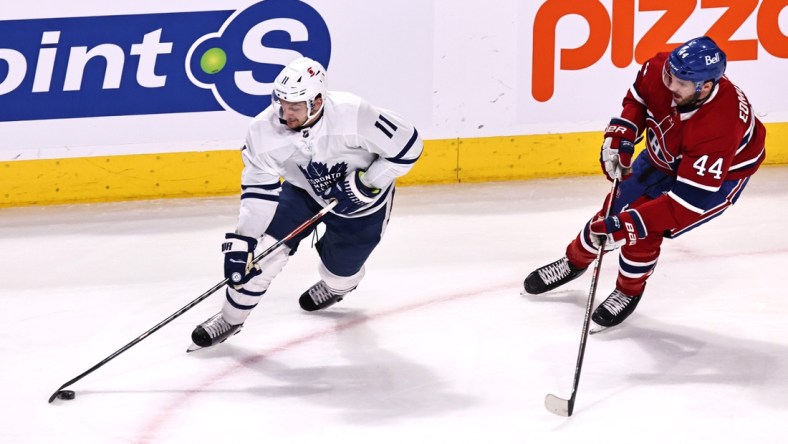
{"points": [[436, 346]]}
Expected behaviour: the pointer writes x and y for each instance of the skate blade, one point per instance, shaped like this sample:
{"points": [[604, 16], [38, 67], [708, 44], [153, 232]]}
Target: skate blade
{"points": [[596, 329], [193, 347]]}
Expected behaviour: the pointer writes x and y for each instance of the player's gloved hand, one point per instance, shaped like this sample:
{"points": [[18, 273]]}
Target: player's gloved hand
{"points": [[618, 148], [351, 193], [623, 228], [238, 255]]}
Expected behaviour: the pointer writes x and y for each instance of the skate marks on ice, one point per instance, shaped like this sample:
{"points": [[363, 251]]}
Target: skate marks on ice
{"points": [[374, 387], [682, 355], [677, 355], [574, 297], [373, 384]]}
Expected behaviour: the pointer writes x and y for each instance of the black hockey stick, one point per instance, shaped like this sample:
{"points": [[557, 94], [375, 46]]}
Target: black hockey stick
{"points": [[59, 393], [564, 407]]}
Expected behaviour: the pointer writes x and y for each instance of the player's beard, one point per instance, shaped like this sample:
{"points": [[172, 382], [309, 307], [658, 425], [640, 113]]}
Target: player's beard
{"points": [[690, 101], [295, 124]]}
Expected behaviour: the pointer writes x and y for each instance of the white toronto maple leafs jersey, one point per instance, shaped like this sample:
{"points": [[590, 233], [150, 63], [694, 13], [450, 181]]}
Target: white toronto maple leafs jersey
{"points": [[350, 135]]}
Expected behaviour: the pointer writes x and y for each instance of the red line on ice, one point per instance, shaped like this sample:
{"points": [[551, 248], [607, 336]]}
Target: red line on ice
{"points": [[151, 429]]}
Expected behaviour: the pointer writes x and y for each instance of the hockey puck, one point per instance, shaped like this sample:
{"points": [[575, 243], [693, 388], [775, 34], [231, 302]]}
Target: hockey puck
{"points": [[68, 395]]}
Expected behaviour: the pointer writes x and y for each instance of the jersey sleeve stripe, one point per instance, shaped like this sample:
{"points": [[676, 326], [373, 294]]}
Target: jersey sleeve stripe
{"points": [[695, 197], [686, 181], [747, 137], [730, 199], [408, 146], [402, 161], [269, 187], [636, 96], [271, 197], [684, 203], [747, 163], [707, 217]]}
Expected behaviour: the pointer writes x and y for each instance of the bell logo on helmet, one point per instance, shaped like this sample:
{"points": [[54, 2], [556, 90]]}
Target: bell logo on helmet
{"points": [[712, 60], [120, 65]]}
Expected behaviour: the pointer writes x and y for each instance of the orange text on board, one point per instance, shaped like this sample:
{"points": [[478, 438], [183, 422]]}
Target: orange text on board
{"points": [[617, 29]]}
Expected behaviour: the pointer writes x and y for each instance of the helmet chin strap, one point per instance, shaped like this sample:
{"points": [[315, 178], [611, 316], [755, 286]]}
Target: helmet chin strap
{"points": [[311, 119], [696, 102], [310, 104]]}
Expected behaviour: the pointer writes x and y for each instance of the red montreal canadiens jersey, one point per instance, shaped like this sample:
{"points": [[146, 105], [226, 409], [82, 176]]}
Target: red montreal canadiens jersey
{"points": [[720, 140]]}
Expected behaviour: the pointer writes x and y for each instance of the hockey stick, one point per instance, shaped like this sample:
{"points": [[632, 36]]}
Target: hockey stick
{"points": [[59, 393], [564, 407]]}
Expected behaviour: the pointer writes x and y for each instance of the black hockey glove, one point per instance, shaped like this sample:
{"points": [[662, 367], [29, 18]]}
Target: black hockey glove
{"points": [[351, 193], [238, 255]]}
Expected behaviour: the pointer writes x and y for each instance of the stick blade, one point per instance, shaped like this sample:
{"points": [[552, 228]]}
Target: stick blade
{"points": [[558, 406]]}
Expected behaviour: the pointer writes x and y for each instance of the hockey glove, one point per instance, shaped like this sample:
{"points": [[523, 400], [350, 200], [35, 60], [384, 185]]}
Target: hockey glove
{"points": [[238, 255], [351, 193], [625, 228], [618, 148]]}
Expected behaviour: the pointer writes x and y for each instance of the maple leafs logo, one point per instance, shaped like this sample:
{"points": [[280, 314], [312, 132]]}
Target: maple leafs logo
{"points": [[320, 177]]}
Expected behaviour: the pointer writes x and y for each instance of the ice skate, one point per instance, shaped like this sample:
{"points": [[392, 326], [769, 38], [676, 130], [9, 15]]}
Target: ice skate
{"points": [[552, 276], [214, 330], [613, 310], [319, 296]]}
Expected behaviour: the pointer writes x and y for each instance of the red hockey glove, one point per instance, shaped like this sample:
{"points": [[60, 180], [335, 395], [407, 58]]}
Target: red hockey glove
{"points": [[625, 228], [618, 148]]}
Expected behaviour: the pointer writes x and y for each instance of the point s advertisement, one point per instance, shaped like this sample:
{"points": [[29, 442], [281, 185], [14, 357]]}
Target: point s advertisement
{"points": [[127, 65]]}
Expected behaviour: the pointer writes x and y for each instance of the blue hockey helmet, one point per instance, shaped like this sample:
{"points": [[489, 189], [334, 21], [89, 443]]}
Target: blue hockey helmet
{"points": [[699, 60]]}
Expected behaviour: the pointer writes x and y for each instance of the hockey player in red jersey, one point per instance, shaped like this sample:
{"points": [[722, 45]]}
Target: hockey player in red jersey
{"points": [[702, 144]]}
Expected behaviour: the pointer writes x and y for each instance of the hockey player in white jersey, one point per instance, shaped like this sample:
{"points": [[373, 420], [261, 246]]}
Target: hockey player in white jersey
{"points": [[325, 145]]}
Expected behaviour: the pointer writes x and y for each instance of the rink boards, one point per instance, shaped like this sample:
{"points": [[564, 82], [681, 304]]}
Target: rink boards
{"points": [[190, 174]]}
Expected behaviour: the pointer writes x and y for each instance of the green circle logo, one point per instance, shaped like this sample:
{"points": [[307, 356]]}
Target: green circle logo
{"points": [[213, 60]]}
